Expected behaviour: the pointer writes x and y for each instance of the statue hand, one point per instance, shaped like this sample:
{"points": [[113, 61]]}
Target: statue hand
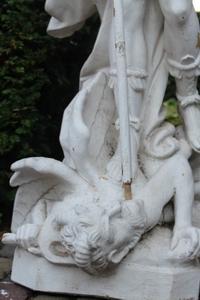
{"points": [[185, 243], [26, 235]]}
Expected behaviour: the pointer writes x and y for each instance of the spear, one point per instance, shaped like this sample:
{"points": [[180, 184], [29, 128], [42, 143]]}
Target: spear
{"points": [[122, 98]]}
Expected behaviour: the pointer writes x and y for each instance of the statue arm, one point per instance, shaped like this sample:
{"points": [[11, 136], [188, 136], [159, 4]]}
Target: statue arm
{"points": [[67, 16], [26, 235]]}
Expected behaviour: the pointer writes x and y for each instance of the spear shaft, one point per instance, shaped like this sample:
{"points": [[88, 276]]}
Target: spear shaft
{"points": [[122, 98]]}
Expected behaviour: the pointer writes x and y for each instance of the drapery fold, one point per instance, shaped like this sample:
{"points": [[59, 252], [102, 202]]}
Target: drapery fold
{"points": [[156, 136]]}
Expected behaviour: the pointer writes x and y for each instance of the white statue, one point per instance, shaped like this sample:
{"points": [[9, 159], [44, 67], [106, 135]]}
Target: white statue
{"points": [[102, 222], [116, 144], [182, 60]]}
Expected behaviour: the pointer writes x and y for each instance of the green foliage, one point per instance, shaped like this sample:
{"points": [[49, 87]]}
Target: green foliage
{"points": [[172, 114]]}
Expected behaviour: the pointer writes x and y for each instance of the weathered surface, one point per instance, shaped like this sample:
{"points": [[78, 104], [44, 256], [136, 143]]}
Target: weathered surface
{"points": [[12, 291], [148, 266]]}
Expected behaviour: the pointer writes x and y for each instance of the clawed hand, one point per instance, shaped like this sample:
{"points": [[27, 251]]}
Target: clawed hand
{"points": [[185, 244], [26, 237], [27, 234]]}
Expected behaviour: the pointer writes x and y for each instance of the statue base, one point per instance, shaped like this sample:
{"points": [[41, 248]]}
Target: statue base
{"points": [[146, 274]]}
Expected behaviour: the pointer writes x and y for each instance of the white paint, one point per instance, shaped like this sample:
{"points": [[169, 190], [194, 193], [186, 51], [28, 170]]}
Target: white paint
{"points": [[70, 219], [140, 276], [122, 92], [196, 4]]}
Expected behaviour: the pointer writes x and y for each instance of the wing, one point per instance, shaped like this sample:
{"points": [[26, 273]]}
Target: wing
{"points": [[40, 179], [88, 134]]}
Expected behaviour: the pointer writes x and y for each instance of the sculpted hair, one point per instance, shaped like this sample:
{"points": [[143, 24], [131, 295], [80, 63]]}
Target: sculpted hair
{"points": [[86, 251]]}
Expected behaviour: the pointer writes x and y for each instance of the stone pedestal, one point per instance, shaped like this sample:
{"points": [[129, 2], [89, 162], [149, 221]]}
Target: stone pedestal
{"points": [[146, 274]]}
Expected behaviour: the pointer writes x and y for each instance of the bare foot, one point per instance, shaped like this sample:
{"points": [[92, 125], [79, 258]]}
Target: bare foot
{"points": [[191, 117]]}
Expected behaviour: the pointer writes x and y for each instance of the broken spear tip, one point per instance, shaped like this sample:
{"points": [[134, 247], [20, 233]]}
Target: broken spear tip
{"points": [[127, 191]]}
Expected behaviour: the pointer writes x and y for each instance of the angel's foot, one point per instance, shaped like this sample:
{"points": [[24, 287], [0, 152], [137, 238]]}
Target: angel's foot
{"points": [[191, 116]]}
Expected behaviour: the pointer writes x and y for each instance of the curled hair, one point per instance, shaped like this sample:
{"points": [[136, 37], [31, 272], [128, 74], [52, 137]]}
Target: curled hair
{"points": [[84, 239], [86, 251]]}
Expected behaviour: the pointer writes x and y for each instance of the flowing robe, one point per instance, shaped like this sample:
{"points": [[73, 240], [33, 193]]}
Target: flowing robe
{"points": [[88, 120]]}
